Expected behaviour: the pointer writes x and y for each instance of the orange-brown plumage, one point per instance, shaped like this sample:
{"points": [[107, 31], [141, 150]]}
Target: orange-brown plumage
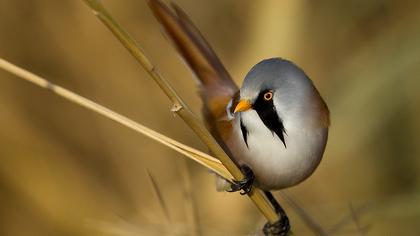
{"points": [[216, 86]]}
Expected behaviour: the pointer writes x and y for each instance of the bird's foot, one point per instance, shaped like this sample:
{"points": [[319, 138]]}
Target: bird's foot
{"points": [[246, 183], [282, 226], [279, 228]]}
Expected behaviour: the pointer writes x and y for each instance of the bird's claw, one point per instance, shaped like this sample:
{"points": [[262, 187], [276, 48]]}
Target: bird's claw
{"points": [[246, 183], [279, 228], [282, 226]]}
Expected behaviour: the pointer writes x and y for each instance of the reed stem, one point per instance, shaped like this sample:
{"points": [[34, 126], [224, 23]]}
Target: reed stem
{"points": [[179, 106]]}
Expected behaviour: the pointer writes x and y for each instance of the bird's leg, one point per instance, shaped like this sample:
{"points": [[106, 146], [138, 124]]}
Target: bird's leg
{"points": [[282, 226], [246, 183]]}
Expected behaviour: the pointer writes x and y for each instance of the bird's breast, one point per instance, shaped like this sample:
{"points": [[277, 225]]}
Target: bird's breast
{"points": [[276, 165]]}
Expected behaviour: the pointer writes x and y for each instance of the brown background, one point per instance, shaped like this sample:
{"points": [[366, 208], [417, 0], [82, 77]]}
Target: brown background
{"points": [[67, 171]]}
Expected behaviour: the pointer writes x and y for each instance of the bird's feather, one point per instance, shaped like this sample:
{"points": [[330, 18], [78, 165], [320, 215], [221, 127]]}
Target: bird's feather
{"points": [[216, 86]]}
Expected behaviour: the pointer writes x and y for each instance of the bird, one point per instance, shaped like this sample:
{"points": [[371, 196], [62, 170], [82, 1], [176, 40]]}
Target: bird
{"points": [[275, 126], [279, 124]]}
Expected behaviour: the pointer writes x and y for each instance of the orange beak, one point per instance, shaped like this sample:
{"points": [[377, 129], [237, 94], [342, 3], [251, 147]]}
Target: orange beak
{"points": [[243, 105]]}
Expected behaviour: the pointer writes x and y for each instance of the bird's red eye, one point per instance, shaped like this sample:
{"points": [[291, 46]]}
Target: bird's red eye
{"points": [[268, 96]]}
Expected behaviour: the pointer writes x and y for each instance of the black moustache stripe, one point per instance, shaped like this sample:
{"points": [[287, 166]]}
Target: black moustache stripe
{"points": [[268, 115], [244, 133]]}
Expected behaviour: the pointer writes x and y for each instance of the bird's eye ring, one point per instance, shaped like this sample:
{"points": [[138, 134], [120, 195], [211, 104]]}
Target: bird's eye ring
{"points": [[268, 96]]}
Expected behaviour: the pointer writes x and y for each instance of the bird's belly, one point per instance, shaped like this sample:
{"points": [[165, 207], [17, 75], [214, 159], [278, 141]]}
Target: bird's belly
{"points": [[277, 166]]}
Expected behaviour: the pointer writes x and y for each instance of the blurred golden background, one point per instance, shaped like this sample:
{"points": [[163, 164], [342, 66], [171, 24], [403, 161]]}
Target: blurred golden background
{"points": [[68, 171]]}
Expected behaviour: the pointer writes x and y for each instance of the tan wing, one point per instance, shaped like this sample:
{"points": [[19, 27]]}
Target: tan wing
{"points": [[217, 87]]}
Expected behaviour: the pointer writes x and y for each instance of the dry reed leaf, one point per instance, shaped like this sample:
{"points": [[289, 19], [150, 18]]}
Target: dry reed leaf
{"points": [[194, 154]]}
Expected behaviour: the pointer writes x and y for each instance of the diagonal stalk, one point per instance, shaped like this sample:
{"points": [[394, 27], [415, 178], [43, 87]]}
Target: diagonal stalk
{"points": [[194, 154], [179, 105]]}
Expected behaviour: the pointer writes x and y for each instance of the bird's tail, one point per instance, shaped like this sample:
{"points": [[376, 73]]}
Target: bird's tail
{"points": [[216, 86], [214, 79]]}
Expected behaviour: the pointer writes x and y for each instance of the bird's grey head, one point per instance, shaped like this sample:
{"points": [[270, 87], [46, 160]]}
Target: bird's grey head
{"points": [[278, 91], [280, 76]]}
